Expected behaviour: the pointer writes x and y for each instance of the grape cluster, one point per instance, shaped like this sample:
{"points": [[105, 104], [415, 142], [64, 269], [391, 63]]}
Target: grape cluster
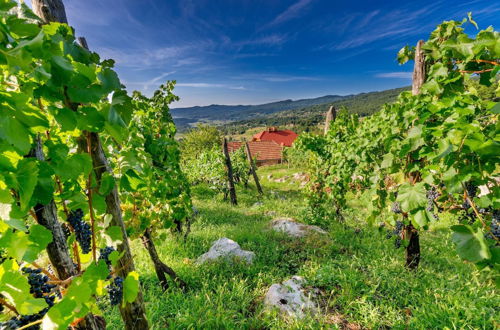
{"points": [[39, 288], [396, 207], [81, 229], [104, 254], [495, 224], [115, 291], [471, 189], [396, 232], [432, 195], [22, 320]]}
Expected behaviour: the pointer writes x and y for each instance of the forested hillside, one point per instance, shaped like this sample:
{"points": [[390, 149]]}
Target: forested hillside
{"points": [[303, 119], [216, 112]]}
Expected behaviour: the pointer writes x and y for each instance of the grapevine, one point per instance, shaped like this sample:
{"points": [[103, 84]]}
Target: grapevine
{"points": [[54, 95], [426, 153]]}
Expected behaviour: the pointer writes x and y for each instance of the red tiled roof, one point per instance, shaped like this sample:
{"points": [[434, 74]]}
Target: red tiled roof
{"points": [[262, 150], [282, 137]]}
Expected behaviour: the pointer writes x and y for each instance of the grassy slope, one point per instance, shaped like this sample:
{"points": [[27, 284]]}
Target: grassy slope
{"points": [[361, 276]]}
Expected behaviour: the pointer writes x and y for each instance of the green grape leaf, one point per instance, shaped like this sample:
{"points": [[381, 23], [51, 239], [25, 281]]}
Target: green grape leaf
{"points": [[131, 181], [65, 117], [114, 234], [90, 119], [14, 133], [31, 306], [471, 245], [99, 203], [27, 177], [44, 189], [109, 80], [107, 184], [40, 236], [131, 287], [411, 196], [114, 257], [61, 314], [74, 166]]}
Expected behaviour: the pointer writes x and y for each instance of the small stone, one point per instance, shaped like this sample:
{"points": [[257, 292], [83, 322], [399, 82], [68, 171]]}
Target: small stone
{"points": [[228, 249], [292, 228], [256, 204], [291, 298]]}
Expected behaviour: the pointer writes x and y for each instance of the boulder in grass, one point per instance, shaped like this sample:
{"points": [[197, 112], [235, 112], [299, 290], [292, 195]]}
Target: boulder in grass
{"points": [[293, 228], [226, 249], [291, 299]]}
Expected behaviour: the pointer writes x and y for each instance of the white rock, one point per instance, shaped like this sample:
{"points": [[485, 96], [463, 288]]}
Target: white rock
{"points": [[226, 248], [290, 298], [293, 228], [256, 204]]}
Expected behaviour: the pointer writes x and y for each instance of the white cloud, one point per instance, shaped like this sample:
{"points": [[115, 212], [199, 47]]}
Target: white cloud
{"points": [[291, 12], [397, 75], [275, 77], [210, 85]]}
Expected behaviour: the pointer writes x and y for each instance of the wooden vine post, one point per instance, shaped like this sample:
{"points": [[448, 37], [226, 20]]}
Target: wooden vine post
{"points": [[229, 168], [331, 114], [411, 233], [133, 314], [46, 215], [160, 267], [252, 168]]}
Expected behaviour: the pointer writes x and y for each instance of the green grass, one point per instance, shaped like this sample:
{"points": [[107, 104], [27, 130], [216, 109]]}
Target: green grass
{"points": [[361, 276]]}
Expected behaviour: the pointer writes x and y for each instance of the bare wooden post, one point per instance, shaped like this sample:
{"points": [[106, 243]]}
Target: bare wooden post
{"points": [[46, 215], [418, 77], [229, 167], [50, 10], [133, 314], [160, 267], [331, 114], [252, 168], [411, 233]]}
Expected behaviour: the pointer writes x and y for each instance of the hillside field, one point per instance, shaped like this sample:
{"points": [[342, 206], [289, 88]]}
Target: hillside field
{"points": [[361, 276]]}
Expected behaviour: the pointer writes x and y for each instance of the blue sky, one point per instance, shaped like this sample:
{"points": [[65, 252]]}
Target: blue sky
{"points": [[257, 51]]}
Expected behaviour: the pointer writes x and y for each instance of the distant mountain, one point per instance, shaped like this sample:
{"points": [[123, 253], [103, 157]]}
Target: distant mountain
{"points": [[307, 118], [225, 113], [300, 113]]}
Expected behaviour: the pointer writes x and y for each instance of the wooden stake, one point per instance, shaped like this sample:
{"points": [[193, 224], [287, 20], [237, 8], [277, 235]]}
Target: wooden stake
{"points": [[418, 77], [331, 114], [229, 167], [252, 168], [409, 232], [133, 314]]}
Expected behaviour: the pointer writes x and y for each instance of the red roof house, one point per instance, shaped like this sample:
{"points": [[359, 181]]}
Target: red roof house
{"points": [[265, 152], [282, 137]]}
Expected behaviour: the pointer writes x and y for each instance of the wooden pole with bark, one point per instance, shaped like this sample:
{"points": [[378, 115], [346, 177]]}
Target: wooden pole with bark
{"points": [[46, 215], [133, 314], [229, 168], [160, 267], [411, 233], [252, 168], [57, 249], [331, 114]]}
